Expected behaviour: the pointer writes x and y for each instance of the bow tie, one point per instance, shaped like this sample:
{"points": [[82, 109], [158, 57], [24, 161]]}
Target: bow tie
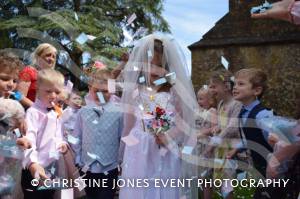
{"points": [[50, 109]]}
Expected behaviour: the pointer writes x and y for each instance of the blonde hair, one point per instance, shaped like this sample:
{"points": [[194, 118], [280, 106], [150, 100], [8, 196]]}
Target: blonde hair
{"points": [[99, 75], [50, 76], [39, 51], [256, 77], [211, 99]]}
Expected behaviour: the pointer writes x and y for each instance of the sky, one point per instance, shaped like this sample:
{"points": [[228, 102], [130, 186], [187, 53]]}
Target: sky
{"points": [[189, 20]]}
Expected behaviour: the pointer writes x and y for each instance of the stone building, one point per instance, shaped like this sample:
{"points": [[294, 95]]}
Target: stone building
{"points": [[273, 46]]}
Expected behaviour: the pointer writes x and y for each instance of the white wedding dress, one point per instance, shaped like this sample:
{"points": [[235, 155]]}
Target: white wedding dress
{"points": [[146, 160]]}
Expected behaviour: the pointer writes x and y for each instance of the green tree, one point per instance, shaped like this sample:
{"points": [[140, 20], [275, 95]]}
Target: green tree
{"points": [[26, 23]]}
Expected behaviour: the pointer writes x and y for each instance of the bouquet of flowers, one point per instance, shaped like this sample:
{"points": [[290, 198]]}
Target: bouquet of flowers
{"points": [[159, 120]]}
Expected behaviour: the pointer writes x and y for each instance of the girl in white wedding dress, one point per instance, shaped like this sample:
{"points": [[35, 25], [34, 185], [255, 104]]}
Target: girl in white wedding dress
{"points": [[159, 101]]}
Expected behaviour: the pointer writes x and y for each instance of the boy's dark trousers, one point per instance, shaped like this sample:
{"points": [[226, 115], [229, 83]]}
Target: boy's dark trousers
{"points": [[31, 192], [101, 192]]}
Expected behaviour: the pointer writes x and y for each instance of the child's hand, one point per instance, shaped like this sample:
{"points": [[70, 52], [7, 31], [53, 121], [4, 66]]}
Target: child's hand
{"points": [[161, 139], [63, 148], [231, 153], [273, 139], [35, 169], [23, 143]]}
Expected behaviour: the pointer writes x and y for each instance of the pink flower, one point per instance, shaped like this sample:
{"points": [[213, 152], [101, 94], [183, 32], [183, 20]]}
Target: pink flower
{"points": [[99, 65]]}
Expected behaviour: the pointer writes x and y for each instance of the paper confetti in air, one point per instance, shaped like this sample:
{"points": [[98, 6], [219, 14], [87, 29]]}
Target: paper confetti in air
{"points": [[131, 19], [135, 68], [141, 107], [187, 150], [205, 87], [160, 81], [242, 176], [106, 173], [142, 79], [171, 77], [91, 37], [135, 93], [101, 97], [130, 140], [76, 16], [93, 156], [95, 121], [85, 168], [149, 53], [81, 183], [82, 38], [52, 170], [149, 89], [18, 133], [72, 139], [112, 86], [67, 193], [224, 62], [54, 154], [69, 86]]}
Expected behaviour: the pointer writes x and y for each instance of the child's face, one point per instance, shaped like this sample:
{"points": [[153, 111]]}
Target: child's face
{"points": [[243, 90], [48, 93], [75, 101], [218, 90], [203, 100], [8, 82], [99, 87]]}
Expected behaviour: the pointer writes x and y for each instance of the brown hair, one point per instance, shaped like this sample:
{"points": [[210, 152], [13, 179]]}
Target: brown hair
{"points": [[99, 75], [10, 64], [222, 76], [256, 77]]}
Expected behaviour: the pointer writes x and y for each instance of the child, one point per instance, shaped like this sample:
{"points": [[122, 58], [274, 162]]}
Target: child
{"points": [[98, 130], [74, 102], [226, 134], [207, 101], [44, 132], [250, 85]]}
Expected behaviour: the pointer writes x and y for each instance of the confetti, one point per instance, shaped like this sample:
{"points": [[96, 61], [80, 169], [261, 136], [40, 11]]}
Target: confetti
{"points": [[141, 107], [82, 38], [112, 86], [149, 89], [130, 140], [76, 16], [67, 193], [149, 53], [69, 86], [101, 97], [81, 183], [93, 156], [95, 122], [135, 68], [131, 19], [18, 133], [135, 93], [52, 170], [266, 194], [91, 37], [85, 168], [140, 32], [106, 173], [142, 79], [187, 150], [171, 77], [160, 81], [72, 139], [224, 62], [261, 9], [54, 154]]}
